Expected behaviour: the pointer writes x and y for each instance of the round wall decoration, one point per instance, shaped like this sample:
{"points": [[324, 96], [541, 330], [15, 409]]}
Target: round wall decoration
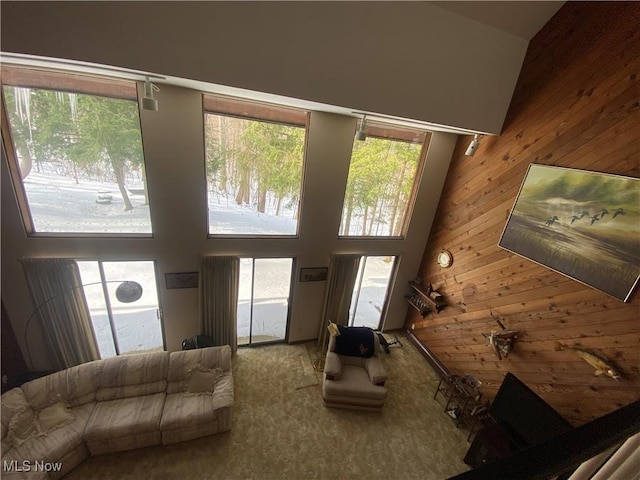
{"points": [[445, 259]]}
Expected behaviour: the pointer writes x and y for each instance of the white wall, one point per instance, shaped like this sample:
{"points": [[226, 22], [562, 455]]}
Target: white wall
{"points": [[174, 154], [409, 59]]}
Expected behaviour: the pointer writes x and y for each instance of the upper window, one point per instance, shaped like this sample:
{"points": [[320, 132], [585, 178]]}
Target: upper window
{"points": [[382, 181], [75, 152], [254, 167]]}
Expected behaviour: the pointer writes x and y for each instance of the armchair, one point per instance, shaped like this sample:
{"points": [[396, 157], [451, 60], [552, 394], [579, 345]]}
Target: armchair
{"points": [[354, 376]]}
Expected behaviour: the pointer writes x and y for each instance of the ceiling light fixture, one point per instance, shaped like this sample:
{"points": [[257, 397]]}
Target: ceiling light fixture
{"points": [[361, 134], [473, 146], [148, 102]]}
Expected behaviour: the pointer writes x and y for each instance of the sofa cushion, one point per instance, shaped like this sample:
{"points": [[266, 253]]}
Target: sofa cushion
{"points": [[22, 427], [133, 375], [203, 380], [184, 361], [76, 386], [55, 416], [52, 446], [184, 410], [125, 416], [354, 382]]}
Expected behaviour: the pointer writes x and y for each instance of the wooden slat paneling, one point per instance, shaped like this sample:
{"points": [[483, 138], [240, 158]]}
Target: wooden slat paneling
{"points": [[576, 105]]}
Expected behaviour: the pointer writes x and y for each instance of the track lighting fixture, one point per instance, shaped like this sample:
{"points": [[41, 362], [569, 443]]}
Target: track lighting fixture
{"points": [[148, 102], [473, 146], [361, 134]]}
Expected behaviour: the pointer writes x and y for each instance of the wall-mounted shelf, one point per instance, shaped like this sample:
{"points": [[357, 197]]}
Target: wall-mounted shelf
{"points": [[423, 301]]}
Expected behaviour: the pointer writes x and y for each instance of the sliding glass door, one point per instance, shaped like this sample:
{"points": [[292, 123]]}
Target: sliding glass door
{"points": [[122, 327], [263, 300], [369, 300]]}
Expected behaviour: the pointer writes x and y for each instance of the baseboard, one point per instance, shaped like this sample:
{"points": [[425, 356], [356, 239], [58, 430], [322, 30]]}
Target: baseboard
{"points": [[437, 365]]}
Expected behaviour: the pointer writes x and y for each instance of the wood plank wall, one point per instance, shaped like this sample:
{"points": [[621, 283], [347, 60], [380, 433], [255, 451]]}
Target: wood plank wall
{"points": [[576, 104]]}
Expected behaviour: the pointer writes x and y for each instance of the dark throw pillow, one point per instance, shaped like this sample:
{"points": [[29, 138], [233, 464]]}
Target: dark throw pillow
{"points": [[355, 342]]}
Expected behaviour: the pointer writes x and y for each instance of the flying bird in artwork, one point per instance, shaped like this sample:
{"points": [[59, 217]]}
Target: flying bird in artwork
{"points": [[574, 218], [551, 220], [619, 211], [594, 219], [584, 214], [603, 212]]}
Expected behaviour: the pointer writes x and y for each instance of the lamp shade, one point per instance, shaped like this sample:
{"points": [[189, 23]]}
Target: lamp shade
{"points": [[129, 292]]}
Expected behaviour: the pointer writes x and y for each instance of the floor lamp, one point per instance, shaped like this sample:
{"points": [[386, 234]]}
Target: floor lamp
{"points": [[127, 292]]}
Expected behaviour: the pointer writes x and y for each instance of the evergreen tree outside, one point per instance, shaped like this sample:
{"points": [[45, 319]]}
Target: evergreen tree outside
{"points": [[379, 186], [258, 164], [85, 137]]}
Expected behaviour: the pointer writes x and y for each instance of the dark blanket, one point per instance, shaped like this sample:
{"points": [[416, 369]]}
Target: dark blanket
{"points": [[355, 342]]}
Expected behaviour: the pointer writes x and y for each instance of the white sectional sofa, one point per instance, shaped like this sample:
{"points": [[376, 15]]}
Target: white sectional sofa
{"points": [[51, 424]]}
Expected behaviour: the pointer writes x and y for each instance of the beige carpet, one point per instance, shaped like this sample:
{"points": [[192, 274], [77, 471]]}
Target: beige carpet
{"points": [[281, 430]]}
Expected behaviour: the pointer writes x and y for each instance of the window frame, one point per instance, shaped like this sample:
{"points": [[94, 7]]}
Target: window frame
{"points": [[253, 110], [387, 131], [43, 78]]}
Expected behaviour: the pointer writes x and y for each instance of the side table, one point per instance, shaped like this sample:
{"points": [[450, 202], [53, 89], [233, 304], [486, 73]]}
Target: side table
{"points": [[461, 399]]}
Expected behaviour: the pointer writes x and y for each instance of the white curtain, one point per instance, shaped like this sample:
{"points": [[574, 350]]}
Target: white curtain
{"points": [[61, 307], [343, 271], [219, 278]]}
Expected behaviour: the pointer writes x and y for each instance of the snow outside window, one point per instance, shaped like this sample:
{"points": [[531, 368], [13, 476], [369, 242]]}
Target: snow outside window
{"points": [[254, 167], [121, 328], [75, 152], [382, 182]]}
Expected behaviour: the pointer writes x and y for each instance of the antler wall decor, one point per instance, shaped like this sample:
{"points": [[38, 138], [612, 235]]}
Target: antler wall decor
{"points": [[501, 342]]}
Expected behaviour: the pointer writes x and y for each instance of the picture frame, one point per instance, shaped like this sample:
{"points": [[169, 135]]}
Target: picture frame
{"points": [[317, 274], [582, 224], [181, 280]]}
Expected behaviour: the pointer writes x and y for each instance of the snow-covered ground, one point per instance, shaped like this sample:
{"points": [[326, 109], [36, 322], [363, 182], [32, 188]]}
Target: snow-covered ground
{"points": [[58, 204]]}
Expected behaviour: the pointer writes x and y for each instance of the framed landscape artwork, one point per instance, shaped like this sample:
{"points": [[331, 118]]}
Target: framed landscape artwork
{"points": [[582, 224], [318, 274]]}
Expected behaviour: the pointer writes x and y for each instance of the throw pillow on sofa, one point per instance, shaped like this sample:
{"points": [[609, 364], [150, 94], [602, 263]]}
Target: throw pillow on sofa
{"points": [[22, 427], [202, 380], [55, 416]]}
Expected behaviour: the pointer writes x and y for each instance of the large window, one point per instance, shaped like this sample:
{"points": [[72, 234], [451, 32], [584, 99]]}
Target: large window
{"points": [[382, 181], [254, 167], [75, 152]]}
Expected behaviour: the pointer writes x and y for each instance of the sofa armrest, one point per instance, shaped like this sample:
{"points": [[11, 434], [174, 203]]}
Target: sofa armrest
{"points": [[332, 366], [223, 393], [376, 371]]}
